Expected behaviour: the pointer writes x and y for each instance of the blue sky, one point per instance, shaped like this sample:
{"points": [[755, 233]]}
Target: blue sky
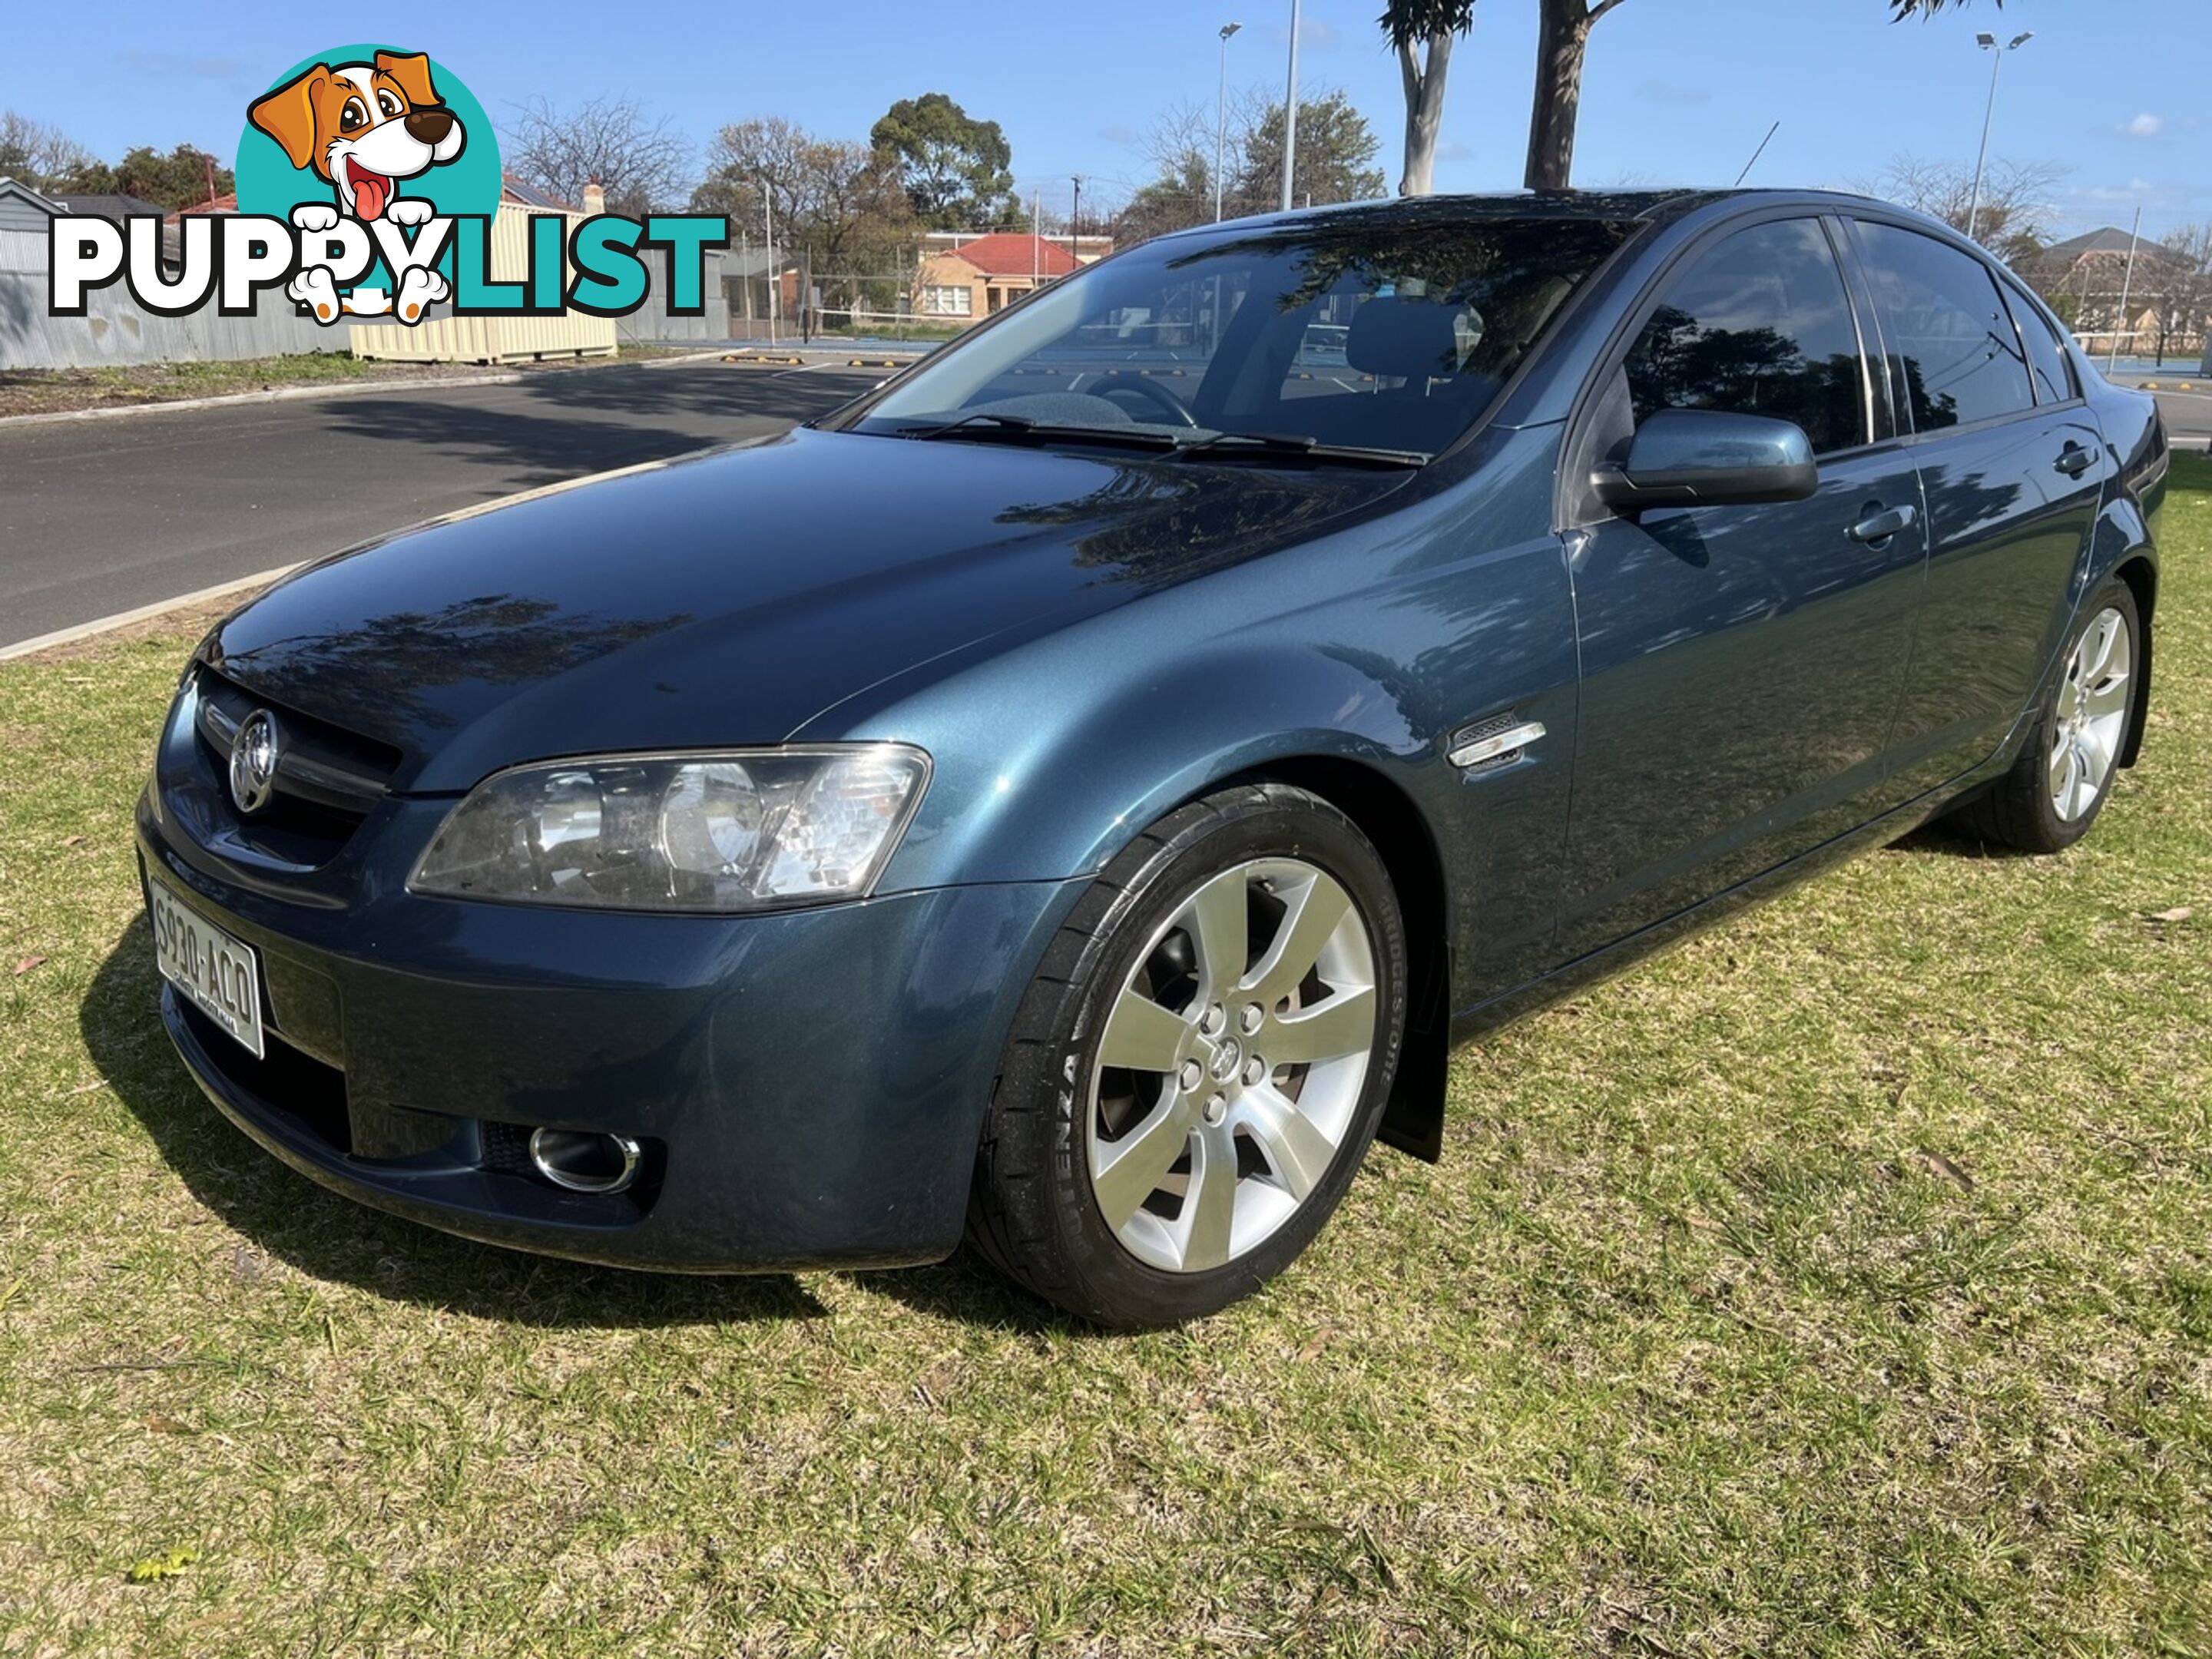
{"points": [[1678, 91]]}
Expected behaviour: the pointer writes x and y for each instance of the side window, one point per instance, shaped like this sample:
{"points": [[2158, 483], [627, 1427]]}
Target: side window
{"points": [[1760, 325], [1952, 349], [2046, 360]]}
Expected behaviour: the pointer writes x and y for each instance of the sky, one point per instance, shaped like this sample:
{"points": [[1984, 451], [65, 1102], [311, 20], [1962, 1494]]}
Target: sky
{"points": [[1676, 91]]}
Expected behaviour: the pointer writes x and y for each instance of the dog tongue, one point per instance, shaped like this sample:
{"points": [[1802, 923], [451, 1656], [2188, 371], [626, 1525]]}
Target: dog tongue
{"points": [[370, 192]]}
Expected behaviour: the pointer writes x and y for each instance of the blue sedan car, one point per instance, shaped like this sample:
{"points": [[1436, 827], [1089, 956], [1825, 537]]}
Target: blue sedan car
{"points": [[1073, 797]]}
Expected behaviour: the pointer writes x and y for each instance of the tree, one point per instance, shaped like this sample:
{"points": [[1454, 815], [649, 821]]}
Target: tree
{"points": [[2014, 222], [44, 157], [1901, 10], [955, 168], [1335, 158], [642, 164], [839, 206], [2187, 313], [183, 178], [1562, 29], [1421, 32], [1336, 162]]}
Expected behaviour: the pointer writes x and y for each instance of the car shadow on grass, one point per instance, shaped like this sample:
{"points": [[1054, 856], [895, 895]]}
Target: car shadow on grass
{"points": [[329, 1237], [1943, 838], [967, 1290]]}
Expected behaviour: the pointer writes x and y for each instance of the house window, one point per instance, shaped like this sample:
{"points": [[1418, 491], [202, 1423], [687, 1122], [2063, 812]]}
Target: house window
{"points": [[948, 301]]}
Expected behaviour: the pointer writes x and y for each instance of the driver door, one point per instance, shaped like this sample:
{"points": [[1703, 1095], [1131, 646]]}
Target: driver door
{"points": [[1741, 666]]}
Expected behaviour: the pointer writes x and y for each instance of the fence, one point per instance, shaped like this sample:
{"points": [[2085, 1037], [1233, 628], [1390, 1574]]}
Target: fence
{"points": [[113, 330], [652, 323]]}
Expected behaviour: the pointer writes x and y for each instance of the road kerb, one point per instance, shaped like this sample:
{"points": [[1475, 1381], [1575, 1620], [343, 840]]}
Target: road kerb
{"points": [[283, 394]]}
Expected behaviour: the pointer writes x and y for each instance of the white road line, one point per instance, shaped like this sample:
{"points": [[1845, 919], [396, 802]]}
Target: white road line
{"points": [[263, 579]]}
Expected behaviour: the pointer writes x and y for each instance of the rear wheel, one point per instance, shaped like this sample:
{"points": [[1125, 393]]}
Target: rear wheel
{"points": [[2059, 784], [1199, 1065]]}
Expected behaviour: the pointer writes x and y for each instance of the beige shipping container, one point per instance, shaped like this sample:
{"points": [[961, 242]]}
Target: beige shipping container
{"points": [[493, 339]]}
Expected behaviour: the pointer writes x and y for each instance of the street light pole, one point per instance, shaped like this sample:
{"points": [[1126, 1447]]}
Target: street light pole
{"points": [[1290, 113], [774, 277], [1075, 224], [1221, 125], [1989, 43]]}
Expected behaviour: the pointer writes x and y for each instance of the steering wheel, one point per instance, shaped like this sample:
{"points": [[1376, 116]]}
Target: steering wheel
{"points": [[1111, 386]]}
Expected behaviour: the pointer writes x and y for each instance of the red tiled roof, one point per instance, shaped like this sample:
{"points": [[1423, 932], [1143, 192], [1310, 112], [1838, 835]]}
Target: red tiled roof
{"points": [[1010, 253], [227, 202]]}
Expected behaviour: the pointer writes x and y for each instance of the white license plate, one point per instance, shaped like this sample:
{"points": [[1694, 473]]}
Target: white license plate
{"points": [[220, 974]]}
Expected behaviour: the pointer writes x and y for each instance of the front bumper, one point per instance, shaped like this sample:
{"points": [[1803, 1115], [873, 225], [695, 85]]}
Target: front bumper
{"points": [[809, 1086]]}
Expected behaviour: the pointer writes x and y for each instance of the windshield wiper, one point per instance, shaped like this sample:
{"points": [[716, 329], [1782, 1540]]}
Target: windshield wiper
{"points": [[1293, 445], [988, 425], [983, 423]]}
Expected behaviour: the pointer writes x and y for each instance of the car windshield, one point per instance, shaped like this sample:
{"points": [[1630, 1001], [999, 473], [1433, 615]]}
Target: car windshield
{"points": [[1366, 329]]}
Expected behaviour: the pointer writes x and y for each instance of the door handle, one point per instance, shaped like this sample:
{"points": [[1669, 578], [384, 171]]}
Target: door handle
{"points": [[1880, 524], [2074, 460]]}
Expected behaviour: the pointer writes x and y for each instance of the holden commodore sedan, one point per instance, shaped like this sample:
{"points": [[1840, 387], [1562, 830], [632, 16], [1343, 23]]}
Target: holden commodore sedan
{"points": [[1073, 797]]}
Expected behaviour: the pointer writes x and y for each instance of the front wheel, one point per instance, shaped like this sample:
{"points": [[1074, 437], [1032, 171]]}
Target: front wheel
{"points": [[1196, 1071], [2054, 792]]}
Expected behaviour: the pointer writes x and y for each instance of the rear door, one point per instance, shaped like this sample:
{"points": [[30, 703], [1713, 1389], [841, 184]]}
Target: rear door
{"points": [[1741, 664], [2013, 468]]}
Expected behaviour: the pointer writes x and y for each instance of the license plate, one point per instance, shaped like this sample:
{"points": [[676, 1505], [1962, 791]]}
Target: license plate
{"points": [[220, 975]]}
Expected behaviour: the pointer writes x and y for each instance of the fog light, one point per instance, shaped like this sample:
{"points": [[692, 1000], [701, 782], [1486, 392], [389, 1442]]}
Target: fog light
{"points": [[583, 1160]]}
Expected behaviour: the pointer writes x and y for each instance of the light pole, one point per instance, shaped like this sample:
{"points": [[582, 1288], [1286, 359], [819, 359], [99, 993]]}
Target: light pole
{"points": [[1221, 124], [1989, 43], [1290, 113], [775, 279]]}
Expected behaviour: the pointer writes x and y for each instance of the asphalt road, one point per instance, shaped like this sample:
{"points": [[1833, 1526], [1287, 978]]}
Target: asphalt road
{"points": [[2188, 417], [2188, 414], [102, 516]]}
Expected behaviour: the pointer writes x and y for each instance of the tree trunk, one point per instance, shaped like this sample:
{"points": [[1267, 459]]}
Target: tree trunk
{"points": [[1424, 112], [1562, 38]]}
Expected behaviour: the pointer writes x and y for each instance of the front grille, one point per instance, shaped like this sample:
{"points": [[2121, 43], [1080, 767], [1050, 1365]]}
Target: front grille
{"points": [[328, 779]]}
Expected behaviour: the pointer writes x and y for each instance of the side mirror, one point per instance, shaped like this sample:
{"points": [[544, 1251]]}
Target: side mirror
{"points": [[1708, 458]]}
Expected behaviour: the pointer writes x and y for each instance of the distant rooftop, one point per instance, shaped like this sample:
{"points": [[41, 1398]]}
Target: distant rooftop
{"points": [[2110, 240]]}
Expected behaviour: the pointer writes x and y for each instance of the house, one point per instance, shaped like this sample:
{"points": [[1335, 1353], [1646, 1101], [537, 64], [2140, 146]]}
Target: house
{"points": [[2084, 279], [24, 209], [118, 207], [224, 203], [985, 274]]}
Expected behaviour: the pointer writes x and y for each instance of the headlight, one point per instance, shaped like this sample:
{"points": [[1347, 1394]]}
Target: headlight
{"points": [[748, 830]]}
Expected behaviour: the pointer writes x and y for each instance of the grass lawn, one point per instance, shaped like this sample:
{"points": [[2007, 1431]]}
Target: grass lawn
{"points": [[1840, 1283]]}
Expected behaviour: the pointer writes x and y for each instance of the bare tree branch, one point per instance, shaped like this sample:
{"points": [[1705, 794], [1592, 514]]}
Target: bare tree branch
{"points": [[642, 164]]}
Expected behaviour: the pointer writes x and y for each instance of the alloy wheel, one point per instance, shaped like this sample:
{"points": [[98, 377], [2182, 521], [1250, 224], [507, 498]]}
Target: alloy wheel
{"points": [[1230, 1065], [2092, 715]]}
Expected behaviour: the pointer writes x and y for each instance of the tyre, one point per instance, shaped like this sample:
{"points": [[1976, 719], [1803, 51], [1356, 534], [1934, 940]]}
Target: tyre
{"points": [[1195, 1072], [2059, 784]]}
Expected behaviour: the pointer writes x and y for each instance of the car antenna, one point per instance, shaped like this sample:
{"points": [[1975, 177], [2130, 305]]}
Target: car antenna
{"points": [[1756, 153]]}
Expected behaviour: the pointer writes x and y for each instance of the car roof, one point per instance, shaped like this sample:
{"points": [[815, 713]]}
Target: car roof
{"points": [[1638, 207]]}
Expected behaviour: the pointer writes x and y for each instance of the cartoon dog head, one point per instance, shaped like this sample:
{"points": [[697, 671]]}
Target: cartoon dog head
{"points": [[363, 127]]}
